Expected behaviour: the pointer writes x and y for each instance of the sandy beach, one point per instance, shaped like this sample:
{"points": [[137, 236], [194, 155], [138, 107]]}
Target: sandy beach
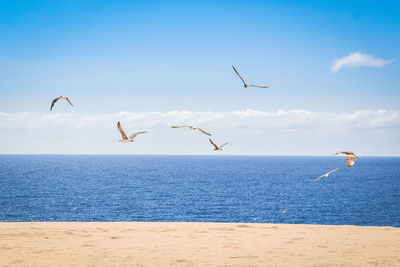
{"points": [[196, 244]]}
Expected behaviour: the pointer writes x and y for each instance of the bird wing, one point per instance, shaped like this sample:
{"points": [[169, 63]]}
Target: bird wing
{"points": [[343, 153], [204, 132], [180, 126], [124, 137], [238, 74], [352, 155], [349, 162], [338, 153], [258, 86], [223, 145], [324, 175], [54, 101], [333, 170], [216, 147], [135, 134], [68, 101]]}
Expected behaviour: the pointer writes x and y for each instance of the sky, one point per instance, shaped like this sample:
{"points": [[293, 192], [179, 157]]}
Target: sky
{"points": [[332, 68]]}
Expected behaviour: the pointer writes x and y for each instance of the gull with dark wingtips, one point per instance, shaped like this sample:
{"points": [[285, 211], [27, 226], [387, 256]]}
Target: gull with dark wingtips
{"points": [[125, 138], [217, 148], [58, 98], [245, 85]]}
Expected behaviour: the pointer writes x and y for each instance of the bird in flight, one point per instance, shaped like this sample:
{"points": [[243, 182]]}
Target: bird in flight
{"points": [[350, 157], [192, 128], [245, 85], [284, 211], [326, 174], [217, 147], [58, 98], [125, 139]]}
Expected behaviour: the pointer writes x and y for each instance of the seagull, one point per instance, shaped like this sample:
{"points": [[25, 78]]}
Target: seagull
{"points": [[192, 128], [350, 157], [284, 211], [245, 85], [125, 139], [326, 174], [58, 98], [217, 147]]}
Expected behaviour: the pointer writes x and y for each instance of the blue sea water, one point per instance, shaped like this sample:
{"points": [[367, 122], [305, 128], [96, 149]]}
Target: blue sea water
{"points": [[199, 189]]}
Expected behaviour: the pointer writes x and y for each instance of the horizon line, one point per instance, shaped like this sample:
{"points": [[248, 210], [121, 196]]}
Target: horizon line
{"points": [[230, 155]]}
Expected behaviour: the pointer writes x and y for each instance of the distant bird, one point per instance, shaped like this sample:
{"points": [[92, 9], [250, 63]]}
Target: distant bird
{"points": [[192, 128], [125, 139], [245, 85], [326, 174], [284, 211], [58, 98], [350, 157], [217, 147]]}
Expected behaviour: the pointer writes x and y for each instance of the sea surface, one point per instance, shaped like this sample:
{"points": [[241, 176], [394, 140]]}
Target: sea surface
{"points": [[267, 189]]}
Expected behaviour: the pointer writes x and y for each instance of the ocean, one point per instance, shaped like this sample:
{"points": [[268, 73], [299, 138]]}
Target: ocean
{"points": [[260, 189]]}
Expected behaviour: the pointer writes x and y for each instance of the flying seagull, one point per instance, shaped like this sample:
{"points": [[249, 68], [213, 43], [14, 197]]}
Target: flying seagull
{"points": [[58, 98], [350, 157], [245, 85], [217, 147], [284, 211], [125, 139], [326, 174], [192, 128]]}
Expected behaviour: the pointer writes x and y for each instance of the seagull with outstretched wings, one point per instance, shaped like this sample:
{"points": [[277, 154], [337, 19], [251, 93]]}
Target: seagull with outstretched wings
{"points": [[217, 148], [192, 128], [245, 85], [126, 139], [58, 98], [326, 174]]}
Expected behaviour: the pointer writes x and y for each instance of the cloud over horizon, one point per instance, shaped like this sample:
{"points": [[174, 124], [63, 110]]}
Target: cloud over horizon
{"points": [[250, 132], [358, 59], [242, 119]]}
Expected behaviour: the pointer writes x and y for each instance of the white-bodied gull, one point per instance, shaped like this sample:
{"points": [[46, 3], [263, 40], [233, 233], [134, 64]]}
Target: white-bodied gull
{"points": [[125, 138], [217, 147], [326, 174]]}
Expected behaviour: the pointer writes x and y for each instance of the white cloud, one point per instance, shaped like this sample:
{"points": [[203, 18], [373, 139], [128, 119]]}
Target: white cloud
{"points": [[288, 120], [252, 132], [357, 60]]}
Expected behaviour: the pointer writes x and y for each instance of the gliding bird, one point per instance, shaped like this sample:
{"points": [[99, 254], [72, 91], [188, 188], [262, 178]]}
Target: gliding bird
{"points": [[217, 147], [326, 174], [245, 85], [58, 98], [125, 139], [192, 128]]}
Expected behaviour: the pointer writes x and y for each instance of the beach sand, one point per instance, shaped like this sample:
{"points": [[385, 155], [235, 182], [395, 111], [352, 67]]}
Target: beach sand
{"points": [[196, 244]]}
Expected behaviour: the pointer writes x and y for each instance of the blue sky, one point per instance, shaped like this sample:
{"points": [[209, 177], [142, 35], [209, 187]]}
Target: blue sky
{"points": [[146, 56]]}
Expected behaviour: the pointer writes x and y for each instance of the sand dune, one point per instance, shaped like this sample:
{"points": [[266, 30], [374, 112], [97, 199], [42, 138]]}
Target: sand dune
{"points": [[196, 244]]}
